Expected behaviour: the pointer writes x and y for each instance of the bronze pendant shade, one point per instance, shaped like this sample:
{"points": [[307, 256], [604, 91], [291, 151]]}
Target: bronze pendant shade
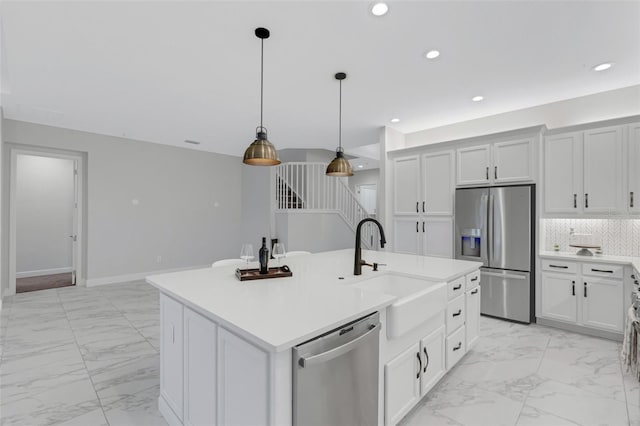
{"points": [[340, 166], [261, 152]]}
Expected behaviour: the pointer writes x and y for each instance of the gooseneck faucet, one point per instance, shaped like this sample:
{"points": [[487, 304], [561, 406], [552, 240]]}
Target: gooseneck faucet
{"points": [[357, 264]]}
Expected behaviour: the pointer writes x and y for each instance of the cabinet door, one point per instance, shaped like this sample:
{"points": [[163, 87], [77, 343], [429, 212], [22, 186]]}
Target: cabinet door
{"points": [[473, 316], [513, 161], [433, 359], [563, 173], [633, 196], [171, 353], [602, 303], [406, 185], [558, 293], [473, 165], [603, 170], [437, 237], [407, 233], [402, 384], [243, 382], [199, 369], [438, 184]]}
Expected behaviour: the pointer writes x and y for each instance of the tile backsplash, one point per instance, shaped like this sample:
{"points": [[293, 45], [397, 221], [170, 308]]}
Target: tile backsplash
{"points": [[619, 237]]}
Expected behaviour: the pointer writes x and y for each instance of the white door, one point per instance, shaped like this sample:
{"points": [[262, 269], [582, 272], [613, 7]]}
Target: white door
{"points": [[603, 170], [473, 165], [199, 369], [633, 196], [438, 184], [407, 235], [367, 195], [513, 161], [602, 303], [433, 355], [402, 384], [473, 316], [563, 173], [243, 382], [406, 181], [558, 294], [437, 236], [171, 353]]}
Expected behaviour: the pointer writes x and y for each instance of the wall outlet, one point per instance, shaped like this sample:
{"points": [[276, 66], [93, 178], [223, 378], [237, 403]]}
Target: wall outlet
{"points": [[159, 259]]}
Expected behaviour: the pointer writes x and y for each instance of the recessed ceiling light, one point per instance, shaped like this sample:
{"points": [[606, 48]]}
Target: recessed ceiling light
{"points": [[602, 67], [477, 98], [432, 54], [395, 120], [379, 9], [360, 166]]}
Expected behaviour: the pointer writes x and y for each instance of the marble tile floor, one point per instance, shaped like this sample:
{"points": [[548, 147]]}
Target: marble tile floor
{"points": [[89, 356]]}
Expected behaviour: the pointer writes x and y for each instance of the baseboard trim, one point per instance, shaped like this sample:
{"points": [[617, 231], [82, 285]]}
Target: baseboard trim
{"points": [[580, 329], [41, 272], [116, 279]]}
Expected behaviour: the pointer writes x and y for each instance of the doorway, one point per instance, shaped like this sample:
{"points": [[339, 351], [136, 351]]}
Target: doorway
{"points": [[368, 197], [45, 221]]}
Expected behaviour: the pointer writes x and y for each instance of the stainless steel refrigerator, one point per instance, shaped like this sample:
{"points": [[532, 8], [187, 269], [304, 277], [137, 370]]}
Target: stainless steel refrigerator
{"points": [[496, 226]]}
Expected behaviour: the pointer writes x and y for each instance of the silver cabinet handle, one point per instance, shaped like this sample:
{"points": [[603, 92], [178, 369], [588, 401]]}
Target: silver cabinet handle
{"points": [[173, 333], [495, 172], [586, 201], [340, 350], [575, 201], [631, 199]]}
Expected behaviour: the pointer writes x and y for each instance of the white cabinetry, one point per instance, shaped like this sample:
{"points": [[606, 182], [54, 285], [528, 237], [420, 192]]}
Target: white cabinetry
{"points": [[472, 304], [171, 354], [410, 375], [589, 295], [423, 204], [633, 160], [584, 172], [200, 343], [497, 163]]}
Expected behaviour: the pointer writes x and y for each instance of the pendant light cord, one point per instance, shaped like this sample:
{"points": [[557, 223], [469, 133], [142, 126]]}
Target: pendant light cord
{"points": [[261, 79], [340, 119]]}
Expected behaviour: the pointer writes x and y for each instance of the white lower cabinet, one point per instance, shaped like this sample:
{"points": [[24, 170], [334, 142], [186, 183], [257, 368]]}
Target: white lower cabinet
{"points": [[590, 296], [412, 374], [472, 299], [200, 345], [171, 354], [456, 347]]}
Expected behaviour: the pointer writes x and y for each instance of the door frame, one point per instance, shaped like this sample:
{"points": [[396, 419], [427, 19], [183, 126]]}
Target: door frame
{"points": [[12, 257], [358, 188]]}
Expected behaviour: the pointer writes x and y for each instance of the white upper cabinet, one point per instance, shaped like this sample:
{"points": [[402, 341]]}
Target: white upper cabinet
{"points": [[497, 163], [437, 182], [563, 173], [633, 167], [603, 170], [513, 161], [406, 185], [473, 165]]}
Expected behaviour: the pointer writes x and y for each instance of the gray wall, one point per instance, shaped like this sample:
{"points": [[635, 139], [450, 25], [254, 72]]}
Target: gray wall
{"points": [[44, 214], [314, 232], [145, 201], [364, 177], [256, 206]]}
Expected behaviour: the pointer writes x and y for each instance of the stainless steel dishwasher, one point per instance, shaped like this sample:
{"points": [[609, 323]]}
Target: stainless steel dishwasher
{"points": [[335, 376]]}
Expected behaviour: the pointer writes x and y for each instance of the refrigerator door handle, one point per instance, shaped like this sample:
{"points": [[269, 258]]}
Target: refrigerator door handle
{"points": [[490, 229], [503, 275]]}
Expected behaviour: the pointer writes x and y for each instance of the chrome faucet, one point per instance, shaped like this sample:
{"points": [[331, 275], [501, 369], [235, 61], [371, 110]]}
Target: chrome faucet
{"points": [[358, 262]]}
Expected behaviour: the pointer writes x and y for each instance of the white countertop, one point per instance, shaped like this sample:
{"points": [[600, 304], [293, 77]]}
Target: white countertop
{"points": [[280, 313], [620, 260]]}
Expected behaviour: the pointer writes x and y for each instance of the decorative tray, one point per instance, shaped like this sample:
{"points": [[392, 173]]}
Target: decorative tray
{"points": [[254, 274]]}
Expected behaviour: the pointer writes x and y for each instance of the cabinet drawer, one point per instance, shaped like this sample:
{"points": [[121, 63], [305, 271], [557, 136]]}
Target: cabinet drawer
{"points": [[456, 287], [602, 270], [455, 347], [455, 314], [559, 266], [473, 279]]}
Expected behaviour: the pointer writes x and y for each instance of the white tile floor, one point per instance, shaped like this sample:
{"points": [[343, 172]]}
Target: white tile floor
{"points": [[78, 356]]}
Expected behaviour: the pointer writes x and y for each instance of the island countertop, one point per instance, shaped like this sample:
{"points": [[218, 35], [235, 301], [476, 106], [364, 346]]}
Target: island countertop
{"points": [[280, 313]]}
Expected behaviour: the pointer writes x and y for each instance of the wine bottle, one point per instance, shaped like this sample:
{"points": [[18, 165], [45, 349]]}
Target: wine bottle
{"points": [[263, 255]]}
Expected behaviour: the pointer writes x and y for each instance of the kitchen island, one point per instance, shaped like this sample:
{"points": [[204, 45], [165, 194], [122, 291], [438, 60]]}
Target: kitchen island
{"points": [[226, 345]]}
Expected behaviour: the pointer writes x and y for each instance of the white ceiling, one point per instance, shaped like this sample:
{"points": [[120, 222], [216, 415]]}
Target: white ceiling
{"points": [[168, 71]]}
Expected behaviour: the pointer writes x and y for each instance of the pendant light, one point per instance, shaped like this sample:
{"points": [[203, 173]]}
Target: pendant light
{"points": [[339, 166], [261, 152]]}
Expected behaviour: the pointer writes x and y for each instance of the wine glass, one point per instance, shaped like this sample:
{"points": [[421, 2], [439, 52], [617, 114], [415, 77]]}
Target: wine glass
{"points": [[278, 252], [246, 253]]}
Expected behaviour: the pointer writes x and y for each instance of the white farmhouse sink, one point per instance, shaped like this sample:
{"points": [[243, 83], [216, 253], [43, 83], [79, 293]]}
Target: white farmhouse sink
{"points": [[418, 300]]}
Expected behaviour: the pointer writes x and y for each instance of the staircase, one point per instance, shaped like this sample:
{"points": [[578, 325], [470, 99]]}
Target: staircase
{"points": [[304, 187]]}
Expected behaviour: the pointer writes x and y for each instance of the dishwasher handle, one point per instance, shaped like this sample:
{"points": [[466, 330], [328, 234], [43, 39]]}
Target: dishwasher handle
{"points": [[340, 350]]}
